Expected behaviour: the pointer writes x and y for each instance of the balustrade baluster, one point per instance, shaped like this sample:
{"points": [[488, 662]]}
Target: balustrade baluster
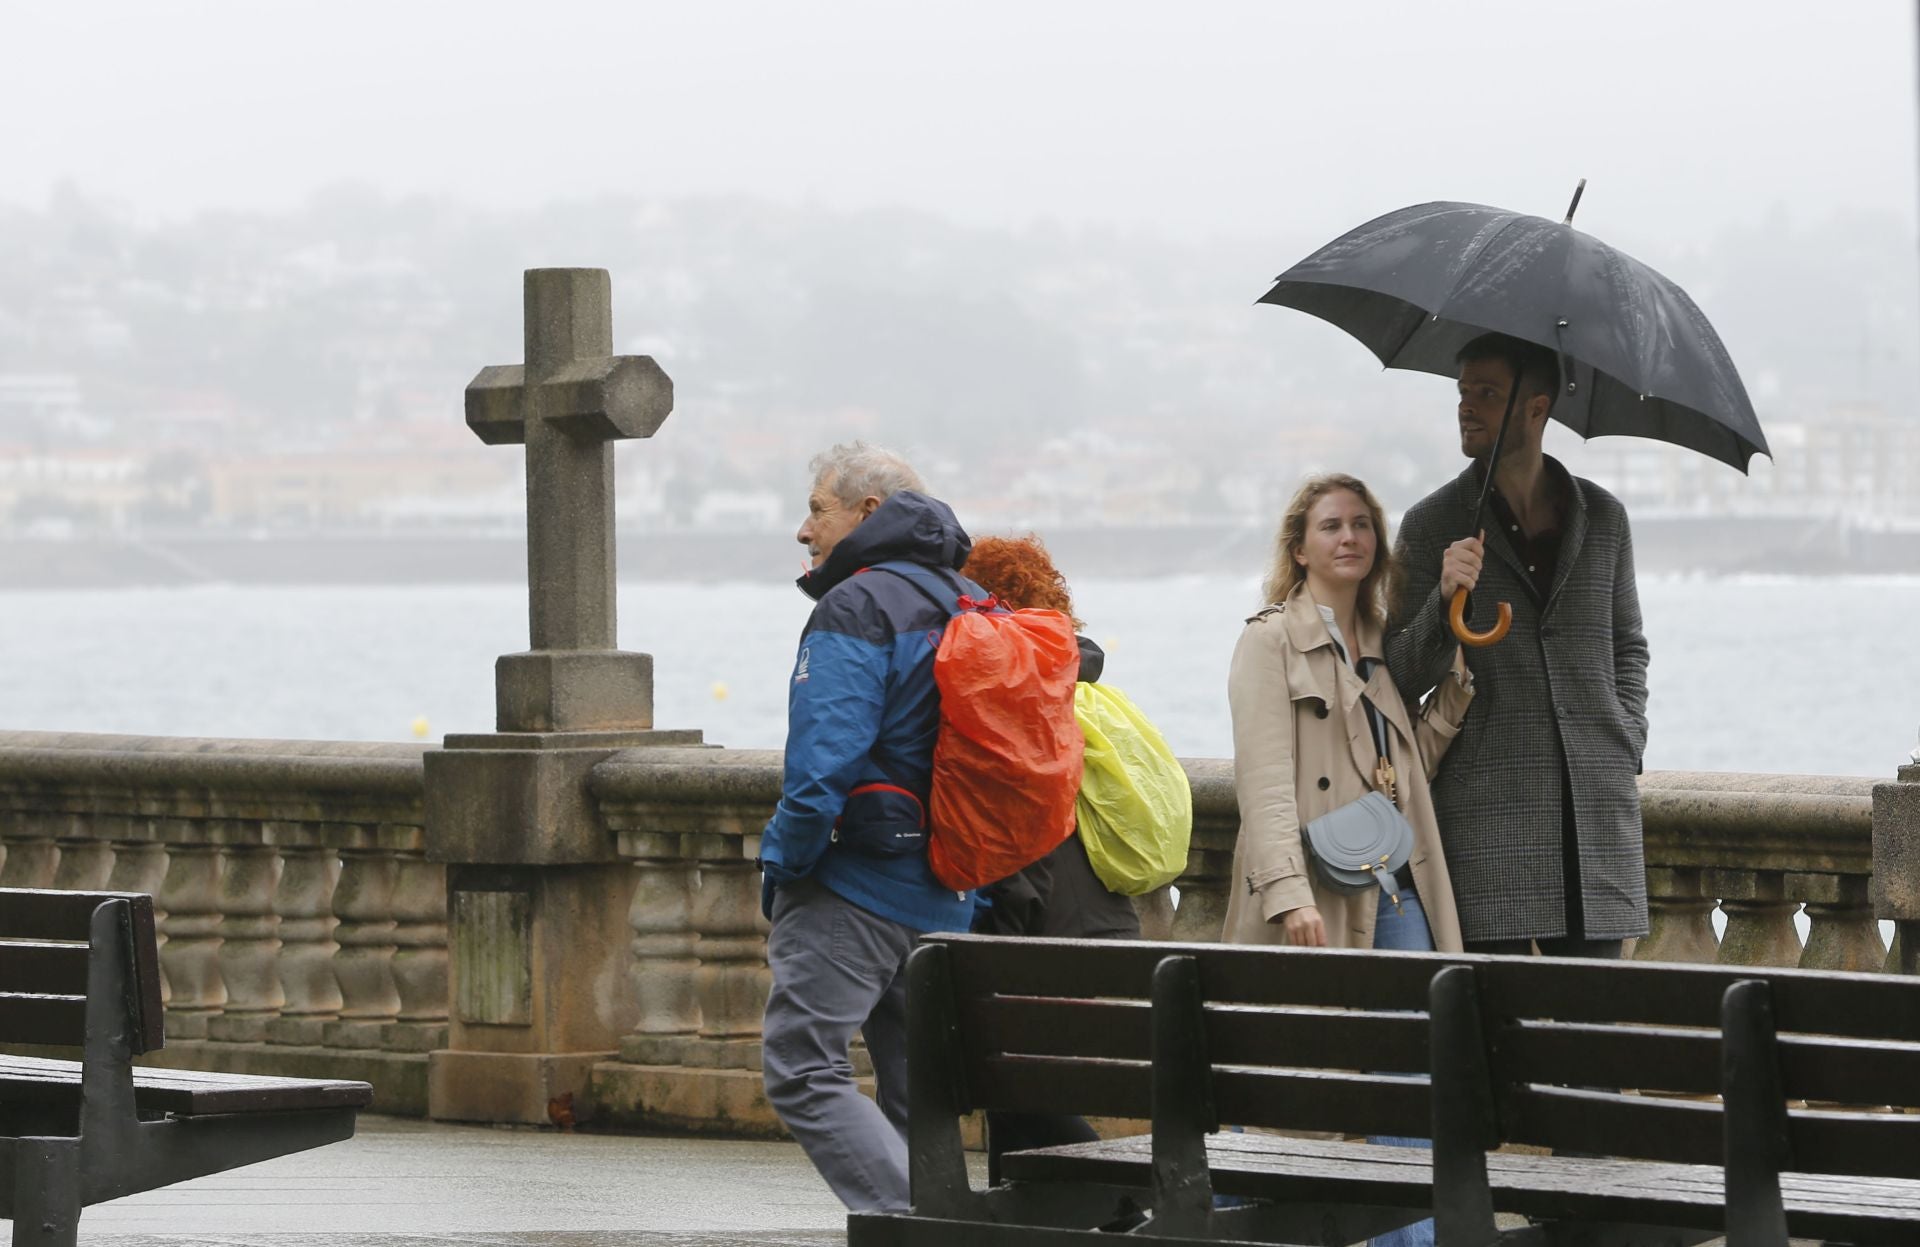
{"points": [[363, 966], [32, 856], [1760, 930], [1679, 918], [86, 852], [1842, 933], [420, 957], [249, 937], [664, 944], [309, 871], [1156, 913], [1903, 957], [733, 978], [1202, 912], [190, 897], [140, 865]]}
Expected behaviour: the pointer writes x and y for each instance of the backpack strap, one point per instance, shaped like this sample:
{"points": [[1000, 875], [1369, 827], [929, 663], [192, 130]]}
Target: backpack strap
{"points": [[936, 590]]}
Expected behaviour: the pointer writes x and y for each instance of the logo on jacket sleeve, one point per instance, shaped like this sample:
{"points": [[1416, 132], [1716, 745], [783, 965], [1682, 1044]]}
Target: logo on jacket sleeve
{"points": [[800, 671]]}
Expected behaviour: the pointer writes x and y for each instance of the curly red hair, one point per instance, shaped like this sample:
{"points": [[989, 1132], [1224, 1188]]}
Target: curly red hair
{"points": [[1020, 572]]}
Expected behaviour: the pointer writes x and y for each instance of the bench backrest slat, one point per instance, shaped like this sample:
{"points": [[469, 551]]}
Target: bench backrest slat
{"points": [[1653, 1031], [1121, 1030], [1846, 1071], [1305, 1100], [1088, 969], [43, 967], [1860, 1006], [44, 951], [34, 1019]]}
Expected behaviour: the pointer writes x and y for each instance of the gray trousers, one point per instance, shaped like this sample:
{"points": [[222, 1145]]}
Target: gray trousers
{"points": [[838, 969]]}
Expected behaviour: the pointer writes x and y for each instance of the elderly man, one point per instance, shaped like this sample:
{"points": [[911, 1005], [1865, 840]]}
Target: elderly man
{"points": [[1537, 802], [845, 874]]}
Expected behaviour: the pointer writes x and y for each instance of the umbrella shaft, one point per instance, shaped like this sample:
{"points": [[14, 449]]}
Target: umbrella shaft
{"points": [[1493, 457]]}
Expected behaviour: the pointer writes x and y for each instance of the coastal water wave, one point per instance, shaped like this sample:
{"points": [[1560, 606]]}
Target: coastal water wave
{"points": [[1817, 676]]}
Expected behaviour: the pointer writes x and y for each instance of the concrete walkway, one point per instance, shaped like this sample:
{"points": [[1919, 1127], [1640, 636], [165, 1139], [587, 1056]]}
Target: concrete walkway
{"points": [[403, 1183]]}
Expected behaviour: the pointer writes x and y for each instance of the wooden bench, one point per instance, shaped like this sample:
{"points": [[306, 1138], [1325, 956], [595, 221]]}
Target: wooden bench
{"points": [[1711, 1137], [80, 969]]}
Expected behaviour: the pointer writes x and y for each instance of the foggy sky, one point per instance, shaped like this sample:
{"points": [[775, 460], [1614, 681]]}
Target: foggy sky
{"points": [[1191, 120]]}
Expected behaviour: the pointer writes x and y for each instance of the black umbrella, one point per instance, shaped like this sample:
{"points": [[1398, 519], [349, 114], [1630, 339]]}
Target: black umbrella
{"points": [[1637, 356]]}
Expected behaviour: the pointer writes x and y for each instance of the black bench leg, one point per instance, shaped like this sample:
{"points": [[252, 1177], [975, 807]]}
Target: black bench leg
{"points": [[936, 1160], [1755, 1118], [1464, 1121], [46, 1193], [1183, 1110]]}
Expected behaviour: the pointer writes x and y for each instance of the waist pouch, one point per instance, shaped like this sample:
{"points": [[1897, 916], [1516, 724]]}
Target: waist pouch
{"points": [[882, 820]]}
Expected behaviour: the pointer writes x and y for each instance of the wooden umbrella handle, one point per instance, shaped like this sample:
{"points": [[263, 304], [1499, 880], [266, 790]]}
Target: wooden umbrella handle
{"points": [[1457, 616]]}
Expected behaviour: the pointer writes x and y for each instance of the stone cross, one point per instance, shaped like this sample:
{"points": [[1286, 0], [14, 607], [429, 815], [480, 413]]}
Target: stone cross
{"points": [[568, 403]]}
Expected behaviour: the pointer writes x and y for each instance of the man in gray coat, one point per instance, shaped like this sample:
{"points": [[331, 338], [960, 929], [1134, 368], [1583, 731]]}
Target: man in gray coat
{"points": [[1537, 801]]}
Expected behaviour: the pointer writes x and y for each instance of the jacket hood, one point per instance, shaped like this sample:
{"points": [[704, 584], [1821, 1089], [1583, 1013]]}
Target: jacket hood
{"points": [[1093, 660], [909, 526]]}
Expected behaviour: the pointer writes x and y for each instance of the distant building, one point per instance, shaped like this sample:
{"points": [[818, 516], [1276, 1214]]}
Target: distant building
{"points": [[73, 488], [345, 488]]}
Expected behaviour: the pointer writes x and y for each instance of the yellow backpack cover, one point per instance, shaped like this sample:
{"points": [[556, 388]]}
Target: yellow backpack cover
{"points": [[1135, 807]]}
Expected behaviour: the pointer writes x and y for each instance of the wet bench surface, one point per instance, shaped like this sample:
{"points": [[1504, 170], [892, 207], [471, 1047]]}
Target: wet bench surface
{"points": [[1719, 1100], [81, 970]]}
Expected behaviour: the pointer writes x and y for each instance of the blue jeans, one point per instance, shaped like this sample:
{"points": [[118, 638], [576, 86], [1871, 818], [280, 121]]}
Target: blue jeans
{"points": [[1404, 930]]}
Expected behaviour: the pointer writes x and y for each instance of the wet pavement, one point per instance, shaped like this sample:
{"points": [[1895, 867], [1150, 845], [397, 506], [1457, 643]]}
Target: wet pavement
{"points": [[403, 1183]]}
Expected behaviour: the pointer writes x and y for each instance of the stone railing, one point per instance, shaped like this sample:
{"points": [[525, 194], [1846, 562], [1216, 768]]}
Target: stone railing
{"points": [[1768, 853], [305, 931], [302, 929]]}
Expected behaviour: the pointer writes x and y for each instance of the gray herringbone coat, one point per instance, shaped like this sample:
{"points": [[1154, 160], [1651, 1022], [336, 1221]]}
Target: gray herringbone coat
{"points": [[1569, 681]]}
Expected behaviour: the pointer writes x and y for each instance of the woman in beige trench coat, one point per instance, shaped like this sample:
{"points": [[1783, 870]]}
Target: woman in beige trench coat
{"points": [[1302, 744]]}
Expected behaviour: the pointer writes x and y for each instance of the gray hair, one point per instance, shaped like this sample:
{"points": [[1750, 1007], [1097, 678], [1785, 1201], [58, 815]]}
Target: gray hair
{"points": [[858, 471]]}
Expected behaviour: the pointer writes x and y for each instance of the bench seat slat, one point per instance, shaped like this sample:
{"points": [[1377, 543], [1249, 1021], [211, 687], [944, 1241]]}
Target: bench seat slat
{"points": [[44, 968], [1273, 1167], [187, 1093]]}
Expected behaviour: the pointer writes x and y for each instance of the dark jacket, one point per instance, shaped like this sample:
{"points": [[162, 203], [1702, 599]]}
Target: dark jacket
{"points": [[1059, 895], [1566, 689], [862, 714]]}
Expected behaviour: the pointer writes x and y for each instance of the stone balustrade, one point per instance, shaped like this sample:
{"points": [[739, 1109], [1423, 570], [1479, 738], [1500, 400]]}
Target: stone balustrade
{"points": [[305, 932], [302, 929], [1770, 853]]}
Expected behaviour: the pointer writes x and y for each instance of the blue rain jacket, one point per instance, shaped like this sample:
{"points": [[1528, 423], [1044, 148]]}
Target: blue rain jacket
{"points": [[862, 714]]}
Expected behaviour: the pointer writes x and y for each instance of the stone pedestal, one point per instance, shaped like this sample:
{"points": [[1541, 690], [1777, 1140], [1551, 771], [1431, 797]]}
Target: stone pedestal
{"points": [[1896, 866], [538, 930]]}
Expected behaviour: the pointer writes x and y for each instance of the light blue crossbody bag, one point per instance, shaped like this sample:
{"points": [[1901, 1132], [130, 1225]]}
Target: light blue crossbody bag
{"points": [[1361, 844]]}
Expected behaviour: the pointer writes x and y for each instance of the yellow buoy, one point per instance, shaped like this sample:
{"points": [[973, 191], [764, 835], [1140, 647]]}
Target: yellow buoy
{"points": [[719, 690], [420, 728]]}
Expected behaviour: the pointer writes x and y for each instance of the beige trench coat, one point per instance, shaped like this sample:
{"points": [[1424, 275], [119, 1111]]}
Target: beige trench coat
{"points": [[1302, 747]]}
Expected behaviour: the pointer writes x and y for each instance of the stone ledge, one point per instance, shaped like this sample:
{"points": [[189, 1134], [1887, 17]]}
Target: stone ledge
{"points": [[730, 1103], [685, 1100], [399, 1078]]}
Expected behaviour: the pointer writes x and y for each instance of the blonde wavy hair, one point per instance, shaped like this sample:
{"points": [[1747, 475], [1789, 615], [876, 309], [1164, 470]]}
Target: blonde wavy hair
{"points": [[1286, 574]]}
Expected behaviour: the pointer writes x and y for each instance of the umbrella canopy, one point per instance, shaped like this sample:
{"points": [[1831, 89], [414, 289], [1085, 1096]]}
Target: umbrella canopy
{"points": [[1418, 284]]}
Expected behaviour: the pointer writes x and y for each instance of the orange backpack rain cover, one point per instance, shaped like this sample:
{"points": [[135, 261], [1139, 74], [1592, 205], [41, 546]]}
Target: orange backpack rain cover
{"points": [[1006, 764]]}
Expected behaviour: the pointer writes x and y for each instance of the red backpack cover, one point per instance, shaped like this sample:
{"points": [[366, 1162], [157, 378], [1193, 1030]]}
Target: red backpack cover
{"points": [[1006, 763]]}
